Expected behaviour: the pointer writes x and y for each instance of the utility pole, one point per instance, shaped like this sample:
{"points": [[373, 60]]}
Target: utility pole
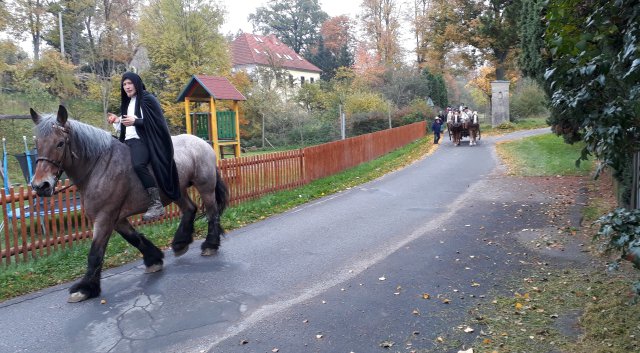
{"points": [[342, 123], [61, 34]]}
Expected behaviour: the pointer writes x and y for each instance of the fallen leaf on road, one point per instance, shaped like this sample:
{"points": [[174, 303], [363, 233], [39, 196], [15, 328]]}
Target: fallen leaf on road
{"points": [[468, 329], [381, 278], [426, 296], [416, 312], [475, 284], [387, 344], [470, 350], [319, 336], [446, 301], [440, 339], [275, 350]]}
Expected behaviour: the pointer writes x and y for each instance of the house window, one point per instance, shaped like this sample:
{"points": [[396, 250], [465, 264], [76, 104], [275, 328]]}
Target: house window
{"points": [[257, 51], [311, 79], [301, 80], [290, 80]]}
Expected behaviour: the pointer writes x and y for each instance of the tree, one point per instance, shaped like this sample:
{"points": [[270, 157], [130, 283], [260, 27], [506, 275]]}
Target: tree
{"points": [[29, 16], [330, 58], [593, 78], [380, 21], [106, 24], [494, 32], [4, 15], [531, 34], [334, 49], [182, 38], [436, 87], [295, 22], [74, 13]]}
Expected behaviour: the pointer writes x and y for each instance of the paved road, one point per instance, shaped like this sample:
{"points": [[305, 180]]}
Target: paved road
{"points": [[345, 273]]}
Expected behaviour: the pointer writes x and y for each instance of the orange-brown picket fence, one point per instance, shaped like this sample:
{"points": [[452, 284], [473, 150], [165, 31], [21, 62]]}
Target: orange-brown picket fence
{"points": [[34, 227]]}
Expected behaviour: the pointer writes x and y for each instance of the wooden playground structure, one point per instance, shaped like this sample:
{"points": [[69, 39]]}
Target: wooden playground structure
{"points": [[220, 128]]}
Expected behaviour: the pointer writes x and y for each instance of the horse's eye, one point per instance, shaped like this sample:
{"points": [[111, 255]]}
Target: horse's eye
{"points": [[60, 144]]}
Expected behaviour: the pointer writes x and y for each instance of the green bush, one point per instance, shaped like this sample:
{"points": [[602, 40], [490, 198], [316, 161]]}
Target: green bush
{"points": [[528, 100]]}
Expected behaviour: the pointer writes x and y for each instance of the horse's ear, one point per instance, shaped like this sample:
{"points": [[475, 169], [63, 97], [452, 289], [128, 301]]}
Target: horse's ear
{"points": [[62, 115], [34, 116]]}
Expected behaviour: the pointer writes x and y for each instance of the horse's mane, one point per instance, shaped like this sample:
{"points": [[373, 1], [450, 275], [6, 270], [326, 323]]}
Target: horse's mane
{"points": [[86, 141]]}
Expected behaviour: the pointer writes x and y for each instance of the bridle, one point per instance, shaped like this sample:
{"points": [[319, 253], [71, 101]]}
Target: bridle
{"points": [[58, 163]]}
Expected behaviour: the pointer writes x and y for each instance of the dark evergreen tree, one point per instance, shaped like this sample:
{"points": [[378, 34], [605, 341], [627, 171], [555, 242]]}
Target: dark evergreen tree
{"points": [[532, 29]]}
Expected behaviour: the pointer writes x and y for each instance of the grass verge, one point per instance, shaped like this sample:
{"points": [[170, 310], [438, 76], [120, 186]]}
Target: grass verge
{"points": [[543, 155]]}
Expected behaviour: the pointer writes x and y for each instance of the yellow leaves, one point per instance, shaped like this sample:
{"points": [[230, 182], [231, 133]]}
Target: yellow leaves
{"points": [[426, 296], [518, 306]]}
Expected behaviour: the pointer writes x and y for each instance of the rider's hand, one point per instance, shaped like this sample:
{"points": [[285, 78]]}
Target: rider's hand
{"points": [[112, 118], [128, 120]]}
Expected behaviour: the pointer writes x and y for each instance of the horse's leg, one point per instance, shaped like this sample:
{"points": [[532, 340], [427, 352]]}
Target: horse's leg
{"points": [[214, 229], [215, 203], [184, 234], [89, 285], [151, 255]]}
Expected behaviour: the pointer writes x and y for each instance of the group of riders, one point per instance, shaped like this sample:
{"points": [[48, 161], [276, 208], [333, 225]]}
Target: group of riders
{"points": [[461, 122]]}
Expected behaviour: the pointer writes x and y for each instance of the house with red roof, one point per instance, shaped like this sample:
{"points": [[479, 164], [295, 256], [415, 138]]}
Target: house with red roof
{"points": [[251, 51]]}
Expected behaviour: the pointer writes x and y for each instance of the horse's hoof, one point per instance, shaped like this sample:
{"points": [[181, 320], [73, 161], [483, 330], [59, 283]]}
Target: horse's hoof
{"points": [[77, 297], [153, 268], [178, 253], [208, 252]]}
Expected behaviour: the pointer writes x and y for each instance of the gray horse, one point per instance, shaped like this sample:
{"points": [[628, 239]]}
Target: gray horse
{"points": [[100, 167]]}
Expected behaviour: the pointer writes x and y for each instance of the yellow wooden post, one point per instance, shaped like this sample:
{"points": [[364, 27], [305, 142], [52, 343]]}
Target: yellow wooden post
{"points": [[237, 122], [188, 114], [213, 134]]}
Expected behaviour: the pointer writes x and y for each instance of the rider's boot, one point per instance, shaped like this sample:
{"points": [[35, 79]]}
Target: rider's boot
{"points": [[156, 210]]}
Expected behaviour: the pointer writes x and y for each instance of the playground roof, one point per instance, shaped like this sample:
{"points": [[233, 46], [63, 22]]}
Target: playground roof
{"points": [[202, 86], [253, 49]]}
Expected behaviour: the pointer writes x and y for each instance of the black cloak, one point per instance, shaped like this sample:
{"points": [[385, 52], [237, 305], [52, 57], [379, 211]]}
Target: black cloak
{"points": [[154, 132]]}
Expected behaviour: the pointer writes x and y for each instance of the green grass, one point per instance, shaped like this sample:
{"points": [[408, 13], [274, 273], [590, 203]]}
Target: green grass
{"points": [[543, 155]]}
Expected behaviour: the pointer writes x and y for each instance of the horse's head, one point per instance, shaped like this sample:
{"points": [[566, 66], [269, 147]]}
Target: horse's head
{"points": [[52, 142]]}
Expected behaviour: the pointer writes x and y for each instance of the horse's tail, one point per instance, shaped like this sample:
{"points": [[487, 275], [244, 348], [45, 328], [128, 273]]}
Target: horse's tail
{"points": [[222, 193]]}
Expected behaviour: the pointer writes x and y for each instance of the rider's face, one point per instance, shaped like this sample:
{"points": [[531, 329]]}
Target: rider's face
{"points": [[129, 88]]}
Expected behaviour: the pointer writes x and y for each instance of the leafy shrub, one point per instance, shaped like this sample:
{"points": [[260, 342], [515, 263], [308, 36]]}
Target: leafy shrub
{"points": [[364, 123], [506, 126], [622, 230], [528, 100]]}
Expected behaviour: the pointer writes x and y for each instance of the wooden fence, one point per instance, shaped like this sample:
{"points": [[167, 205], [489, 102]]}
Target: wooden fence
{"points": [[34, 227]]}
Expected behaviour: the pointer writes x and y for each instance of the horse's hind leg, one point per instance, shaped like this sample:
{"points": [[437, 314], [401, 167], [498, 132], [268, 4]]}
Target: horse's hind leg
{"points": [[184, 234], [214, 228], [151, 255]]}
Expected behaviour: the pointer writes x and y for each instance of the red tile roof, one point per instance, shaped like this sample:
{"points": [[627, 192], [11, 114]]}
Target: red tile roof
{"points": [[202, 86], [253, 49]]}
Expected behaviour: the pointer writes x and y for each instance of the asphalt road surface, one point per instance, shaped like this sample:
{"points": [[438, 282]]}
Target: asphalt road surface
{"points": [[346, 273]]}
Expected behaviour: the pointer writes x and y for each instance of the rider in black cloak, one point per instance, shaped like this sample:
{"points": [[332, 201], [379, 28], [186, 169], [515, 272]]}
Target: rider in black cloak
{"points": [[151, 145]]}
